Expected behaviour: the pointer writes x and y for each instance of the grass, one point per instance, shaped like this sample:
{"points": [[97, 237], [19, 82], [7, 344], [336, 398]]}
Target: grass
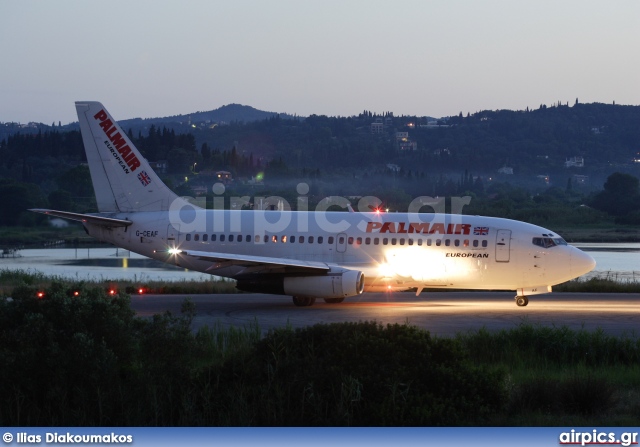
{"points": [[608, 284], [10, 279]]}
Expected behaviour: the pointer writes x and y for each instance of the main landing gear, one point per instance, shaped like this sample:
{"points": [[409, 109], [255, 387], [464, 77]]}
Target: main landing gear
{"points": [[522, 301], [304, 301]]}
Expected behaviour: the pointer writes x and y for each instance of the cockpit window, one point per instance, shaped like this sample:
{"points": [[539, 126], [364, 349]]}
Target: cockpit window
{"points": [[548, 242]]}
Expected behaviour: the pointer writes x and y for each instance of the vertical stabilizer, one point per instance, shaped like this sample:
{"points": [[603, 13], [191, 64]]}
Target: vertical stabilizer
{"points": [[122, 179]]}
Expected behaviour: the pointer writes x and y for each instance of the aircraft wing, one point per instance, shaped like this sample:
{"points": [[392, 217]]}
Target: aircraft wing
{"points": [[91, 218], [256, 264]]}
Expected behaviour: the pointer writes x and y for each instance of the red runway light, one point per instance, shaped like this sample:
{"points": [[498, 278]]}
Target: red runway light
{"points": [[76, 293], [40, 294], [140, 291], [112, 292]]}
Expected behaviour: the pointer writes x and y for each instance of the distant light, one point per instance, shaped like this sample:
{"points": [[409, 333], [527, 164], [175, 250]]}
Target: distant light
{"points": [[140, 291], [76, 293], [112, 292], [40, 294], [387, 210], [174, 251]]}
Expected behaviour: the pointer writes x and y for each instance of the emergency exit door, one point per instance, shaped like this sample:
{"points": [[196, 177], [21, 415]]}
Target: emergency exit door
{"points": [[503, 245]]}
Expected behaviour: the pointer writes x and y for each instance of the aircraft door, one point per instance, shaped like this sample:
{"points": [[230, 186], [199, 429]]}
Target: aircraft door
{"points": [[503, 245], [341, 243], [173, 235]]}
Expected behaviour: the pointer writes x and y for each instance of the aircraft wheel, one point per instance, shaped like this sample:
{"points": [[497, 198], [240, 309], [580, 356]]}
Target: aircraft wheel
{"points": [[333, 300], [303, 301], [522, 301]]}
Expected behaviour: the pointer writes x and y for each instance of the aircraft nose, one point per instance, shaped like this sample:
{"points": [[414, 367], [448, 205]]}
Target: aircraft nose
{"points": [[581, 262]]}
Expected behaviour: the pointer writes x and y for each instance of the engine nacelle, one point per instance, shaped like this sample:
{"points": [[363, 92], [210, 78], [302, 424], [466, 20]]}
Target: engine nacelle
{"points": [[332, 285]]}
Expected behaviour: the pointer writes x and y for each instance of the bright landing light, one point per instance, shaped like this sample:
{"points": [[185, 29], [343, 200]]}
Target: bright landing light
{"points": [[174, 251]]}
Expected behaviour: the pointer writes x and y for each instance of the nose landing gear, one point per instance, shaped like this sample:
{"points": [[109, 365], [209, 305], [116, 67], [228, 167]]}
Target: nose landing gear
{"points": [[522, 301]]}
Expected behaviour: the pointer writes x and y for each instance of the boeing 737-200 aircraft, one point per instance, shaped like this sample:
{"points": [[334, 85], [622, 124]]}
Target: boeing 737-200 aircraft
{"points": [[309, 255]]}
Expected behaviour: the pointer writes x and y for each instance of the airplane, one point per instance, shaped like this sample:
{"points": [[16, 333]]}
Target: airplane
{"points": [[310, 255]]}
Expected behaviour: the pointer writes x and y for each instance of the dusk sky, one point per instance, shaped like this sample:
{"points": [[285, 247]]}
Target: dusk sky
{"points": [[437, 58]]}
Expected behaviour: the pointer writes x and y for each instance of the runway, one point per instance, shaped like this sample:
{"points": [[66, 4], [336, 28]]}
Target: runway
{"points": [[443, 313]]}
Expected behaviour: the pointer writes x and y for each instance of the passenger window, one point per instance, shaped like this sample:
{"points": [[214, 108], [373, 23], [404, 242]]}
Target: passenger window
{"points": [[420, 242], [484, 243], [341, 240], [447, 242], [266, 238], [367, 240], [311, 239], [376, 241], [196, 237], [359, 241], [274, 238], [466, 242], [257, 239], [410, 241], [283, 239], [292, 239], [205, 237], [385, 241], [213, 238], [393, 241], [222, 238], [350, 240], [231, 238], [456, 242], [239, 238], [301, 239], [188, 237], [401, 241], [320, 239], [475, 243], [429, 242], [331, 240], [438, 242]]}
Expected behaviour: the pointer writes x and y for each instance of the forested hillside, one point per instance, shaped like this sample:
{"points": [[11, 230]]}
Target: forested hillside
{"points": [[393, 157]]}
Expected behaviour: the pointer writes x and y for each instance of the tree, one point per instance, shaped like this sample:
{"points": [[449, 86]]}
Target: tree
{"points": [[621, 195]]}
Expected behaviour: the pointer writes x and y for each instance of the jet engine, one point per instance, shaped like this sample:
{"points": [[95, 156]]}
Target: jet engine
{"points": [[339, 284]]}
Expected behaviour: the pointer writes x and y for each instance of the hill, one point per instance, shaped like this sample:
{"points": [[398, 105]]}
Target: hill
{"points": [[225, 114]]}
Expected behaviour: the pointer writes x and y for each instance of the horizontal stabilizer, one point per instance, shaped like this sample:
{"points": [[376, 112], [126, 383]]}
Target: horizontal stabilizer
{"points": [[90, 218]]}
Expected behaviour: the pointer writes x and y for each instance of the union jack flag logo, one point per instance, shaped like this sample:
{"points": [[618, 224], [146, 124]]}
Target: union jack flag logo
{"points": [[480, 231], [144, 178]]}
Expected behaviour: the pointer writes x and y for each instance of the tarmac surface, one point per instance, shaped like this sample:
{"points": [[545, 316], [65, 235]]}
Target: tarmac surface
{"points": [[442, 313]]}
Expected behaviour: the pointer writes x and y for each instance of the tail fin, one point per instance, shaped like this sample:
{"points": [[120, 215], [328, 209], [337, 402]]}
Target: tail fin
{"points": [[122, 179]]}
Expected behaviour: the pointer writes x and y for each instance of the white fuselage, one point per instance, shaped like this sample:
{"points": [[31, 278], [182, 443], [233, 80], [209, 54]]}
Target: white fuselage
{"points": [[394, 251]]}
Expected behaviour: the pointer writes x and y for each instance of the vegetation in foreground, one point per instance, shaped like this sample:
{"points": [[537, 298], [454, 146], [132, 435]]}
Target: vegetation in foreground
{"points": [[87, 360]]}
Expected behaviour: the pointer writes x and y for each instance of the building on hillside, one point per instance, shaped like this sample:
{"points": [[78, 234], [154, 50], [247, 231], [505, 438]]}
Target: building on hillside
{"points": [[580, 180], [223, 177], [543, 178], [574, 162], [160, 166], [506, 170]]}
